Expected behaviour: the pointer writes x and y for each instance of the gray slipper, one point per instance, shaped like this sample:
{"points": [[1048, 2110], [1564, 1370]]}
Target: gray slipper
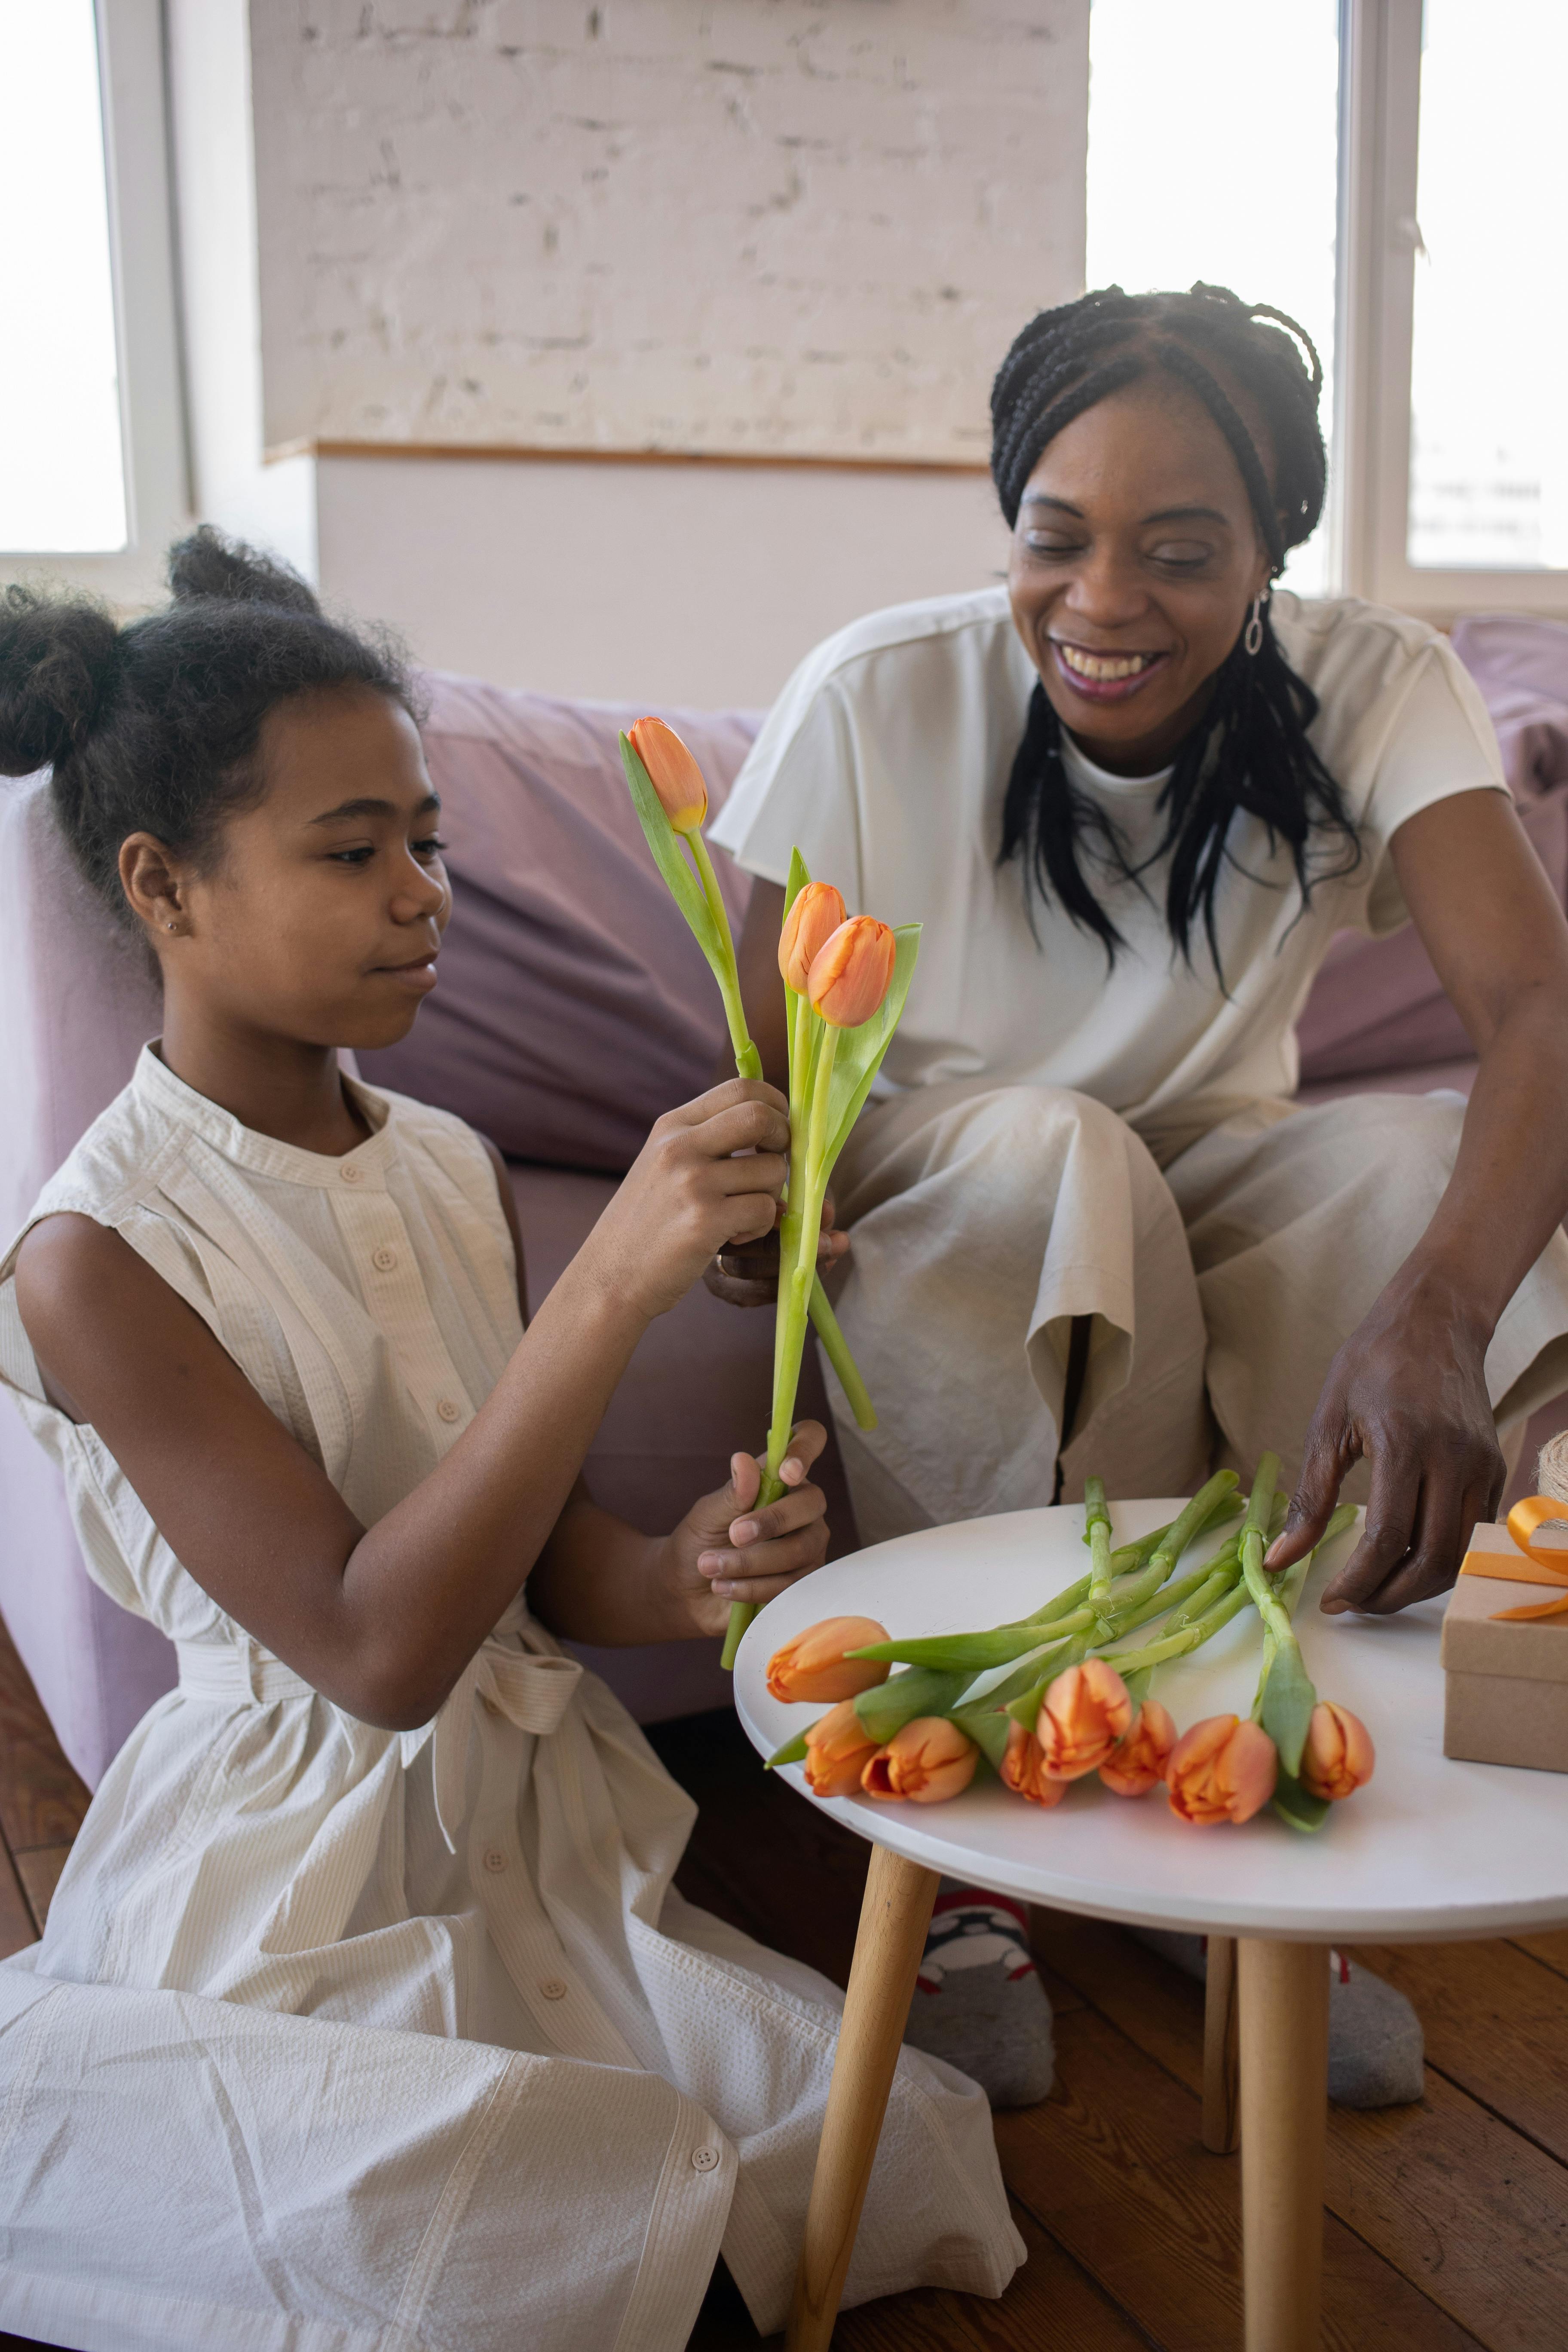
{"points": [[979, 2003], [1376, 2054]]}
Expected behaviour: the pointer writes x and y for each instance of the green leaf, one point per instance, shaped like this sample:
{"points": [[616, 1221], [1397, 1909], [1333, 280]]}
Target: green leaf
{"points": [[1288, 1699], [1292, 1804], [792, 1752], [892, 1705], [859, 1053], [988, 1727], [669, 856], [799, 876]]}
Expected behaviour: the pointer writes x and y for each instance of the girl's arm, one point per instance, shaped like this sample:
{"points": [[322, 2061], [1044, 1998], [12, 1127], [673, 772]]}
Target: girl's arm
{"points": [[383, 1620], [1408, 1388]]}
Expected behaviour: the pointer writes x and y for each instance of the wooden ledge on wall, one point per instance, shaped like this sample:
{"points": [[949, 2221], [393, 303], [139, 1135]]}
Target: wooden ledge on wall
{"points": [[517, 454]]}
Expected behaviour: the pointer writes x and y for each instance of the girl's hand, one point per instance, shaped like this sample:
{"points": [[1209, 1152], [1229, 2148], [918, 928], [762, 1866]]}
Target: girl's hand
{"points": [[725, 1549], [687, 1194]]}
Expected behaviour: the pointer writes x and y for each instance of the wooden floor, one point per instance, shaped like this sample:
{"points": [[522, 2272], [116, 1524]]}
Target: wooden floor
{"points": [[1447, 2225]]}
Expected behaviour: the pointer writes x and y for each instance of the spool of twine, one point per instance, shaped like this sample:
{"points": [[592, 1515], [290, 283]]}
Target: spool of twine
{"points": [[1551, 1469]]}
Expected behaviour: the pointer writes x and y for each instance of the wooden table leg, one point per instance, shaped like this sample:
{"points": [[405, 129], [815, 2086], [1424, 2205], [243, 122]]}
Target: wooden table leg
{"points": [[1222, 2108], [894, 1917], [1284, 2130]]}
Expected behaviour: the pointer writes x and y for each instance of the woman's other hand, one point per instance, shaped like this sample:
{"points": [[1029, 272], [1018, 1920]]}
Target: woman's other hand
{"points": [[1407, 1394], [726, 1550], [710, 1174], [747, 1274]]}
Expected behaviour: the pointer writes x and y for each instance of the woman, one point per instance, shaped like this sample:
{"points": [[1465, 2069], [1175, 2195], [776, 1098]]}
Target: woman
{"points": [[1132, 796]]}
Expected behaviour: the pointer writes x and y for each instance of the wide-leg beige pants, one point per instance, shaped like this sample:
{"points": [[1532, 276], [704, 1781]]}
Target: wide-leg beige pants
{"points": [[983, 1219]]}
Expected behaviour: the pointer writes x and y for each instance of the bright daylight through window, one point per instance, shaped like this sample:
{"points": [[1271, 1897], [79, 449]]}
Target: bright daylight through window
{"points": [[1488, 461], [62, 479], [1212, 153]]}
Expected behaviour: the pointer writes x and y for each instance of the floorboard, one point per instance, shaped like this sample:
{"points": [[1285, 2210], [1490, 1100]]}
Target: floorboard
{"points": [[1493, 2018]]}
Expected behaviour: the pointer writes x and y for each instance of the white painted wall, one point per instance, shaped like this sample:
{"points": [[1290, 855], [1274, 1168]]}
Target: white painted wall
{"points": [[657, 583], [809, 226]]}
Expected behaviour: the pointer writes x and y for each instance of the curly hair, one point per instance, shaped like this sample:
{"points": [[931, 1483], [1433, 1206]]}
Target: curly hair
{"points": [[153, 728], [1250, 749]]}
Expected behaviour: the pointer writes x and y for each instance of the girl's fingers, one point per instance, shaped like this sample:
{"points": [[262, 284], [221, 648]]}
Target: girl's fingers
{"points": [[745, 1480], [806, 1440], [764, 1569], [796, 1508]]}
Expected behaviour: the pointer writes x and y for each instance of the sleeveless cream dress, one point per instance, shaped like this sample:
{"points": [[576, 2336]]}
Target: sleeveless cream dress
{"points": [[341, 2037]]}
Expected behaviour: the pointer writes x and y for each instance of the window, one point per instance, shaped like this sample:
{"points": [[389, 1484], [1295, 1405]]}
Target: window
{"points": [[1214, 154], [1488, 458], [93, 466], [62, 479]]}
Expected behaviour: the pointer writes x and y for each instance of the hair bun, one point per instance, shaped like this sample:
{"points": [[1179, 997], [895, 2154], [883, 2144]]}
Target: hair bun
{"points": [[207, 564], [59, 668]]}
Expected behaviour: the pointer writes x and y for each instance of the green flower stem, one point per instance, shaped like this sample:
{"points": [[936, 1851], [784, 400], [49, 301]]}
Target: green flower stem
{"points": [[797, 1271], [891, 1704], [835, 1348], [747, 1061], [1192, 1636], [1096, 1526], [1254, 1536]]}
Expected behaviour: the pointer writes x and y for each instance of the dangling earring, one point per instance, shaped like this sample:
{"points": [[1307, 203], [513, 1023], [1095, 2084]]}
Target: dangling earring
{"points": [[1252, 636]]}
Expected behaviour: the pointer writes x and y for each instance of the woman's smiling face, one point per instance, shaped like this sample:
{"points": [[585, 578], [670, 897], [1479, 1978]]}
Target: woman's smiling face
{"points": [[1134, 560]]}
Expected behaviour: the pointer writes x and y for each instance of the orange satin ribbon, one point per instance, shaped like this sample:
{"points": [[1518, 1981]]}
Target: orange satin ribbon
{"points": [[1535, 1563]]}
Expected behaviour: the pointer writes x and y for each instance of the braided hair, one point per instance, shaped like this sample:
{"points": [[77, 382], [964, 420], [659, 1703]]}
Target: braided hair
{"points": [[154, 727], [1250, 749]]}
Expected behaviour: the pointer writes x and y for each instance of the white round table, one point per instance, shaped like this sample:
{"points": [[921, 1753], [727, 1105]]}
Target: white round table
{"points": [[1429, 1848]]}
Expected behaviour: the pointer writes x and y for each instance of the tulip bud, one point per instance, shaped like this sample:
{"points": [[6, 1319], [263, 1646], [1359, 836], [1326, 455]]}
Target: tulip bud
{"points": [[1338, 1757], [1138, 1761], [837, 1750], [810, 923], [929, 1761], [852, 971], [672, 771], [813, 1666], [1023, 1769], [1222, 1771], [1085, 1711]]}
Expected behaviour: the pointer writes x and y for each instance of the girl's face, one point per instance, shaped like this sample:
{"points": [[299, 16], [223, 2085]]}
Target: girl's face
{"points": [[321, 918], [1134, 560]]}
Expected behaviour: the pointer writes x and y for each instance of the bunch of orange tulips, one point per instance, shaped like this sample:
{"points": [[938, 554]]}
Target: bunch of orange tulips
{"points": [[921, 1735], [846, 977]]}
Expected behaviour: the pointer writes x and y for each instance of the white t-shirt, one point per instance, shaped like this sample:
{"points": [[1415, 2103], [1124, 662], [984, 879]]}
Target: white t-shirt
{"points": [[886, 759]]}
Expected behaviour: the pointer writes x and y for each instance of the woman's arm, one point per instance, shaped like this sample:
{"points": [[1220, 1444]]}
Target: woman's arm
{"points": [[1407, 1390], [383, 1620]]}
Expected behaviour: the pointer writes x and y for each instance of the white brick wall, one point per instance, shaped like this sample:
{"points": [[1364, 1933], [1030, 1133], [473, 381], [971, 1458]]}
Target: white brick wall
{"points": [[759, 226]]}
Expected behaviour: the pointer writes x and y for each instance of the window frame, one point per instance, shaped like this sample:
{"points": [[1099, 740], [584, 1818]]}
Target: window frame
{"points": [[1379, 239], [139, 184]]}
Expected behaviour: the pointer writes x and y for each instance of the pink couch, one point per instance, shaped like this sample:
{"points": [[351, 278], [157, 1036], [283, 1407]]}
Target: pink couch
{"points": [[574, 1008]]}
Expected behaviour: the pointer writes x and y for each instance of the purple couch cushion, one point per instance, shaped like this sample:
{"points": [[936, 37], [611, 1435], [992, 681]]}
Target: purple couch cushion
{"points": [[1378, 1005], [574, 1005]]}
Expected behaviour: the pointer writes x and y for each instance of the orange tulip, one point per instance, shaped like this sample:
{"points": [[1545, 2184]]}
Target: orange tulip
{"points": [[929, 1761], [852, 971], [809, 925], [1222, 1771], [837, 1750], [1338, 1755], [1023, 1769], [1086, 1710], [672, 771], [814, 1664], [1138, 1761]]}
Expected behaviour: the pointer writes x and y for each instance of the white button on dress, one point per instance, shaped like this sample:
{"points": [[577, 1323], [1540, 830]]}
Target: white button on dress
{"points": [[284, 2065]]}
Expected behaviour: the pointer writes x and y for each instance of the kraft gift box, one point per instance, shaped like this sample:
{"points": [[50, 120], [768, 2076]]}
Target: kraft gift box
{"points": [[1506, 1682]]}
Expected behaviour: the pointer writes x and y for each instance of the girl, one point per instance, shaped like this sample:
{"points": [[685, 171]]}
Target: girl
{"points": [[366, 2014]]}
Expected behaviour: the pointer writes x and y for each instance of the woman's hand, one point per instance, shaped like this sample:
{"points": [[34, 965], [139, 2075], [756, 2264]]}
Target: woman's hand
{"points": [[747, 1274], [725, 1549], [1407, 1392], [687, 1194]]}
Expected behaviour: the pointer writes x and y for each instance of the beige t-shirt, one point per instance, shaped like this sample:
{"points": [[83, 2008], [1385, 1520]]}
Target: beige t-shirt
{"points": [[886, 759]]}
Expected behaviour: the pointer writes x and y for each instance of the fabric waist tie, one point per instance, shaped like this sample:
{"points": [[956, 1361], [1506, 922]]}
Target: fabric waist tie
{"points": [[238, 1673]]}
